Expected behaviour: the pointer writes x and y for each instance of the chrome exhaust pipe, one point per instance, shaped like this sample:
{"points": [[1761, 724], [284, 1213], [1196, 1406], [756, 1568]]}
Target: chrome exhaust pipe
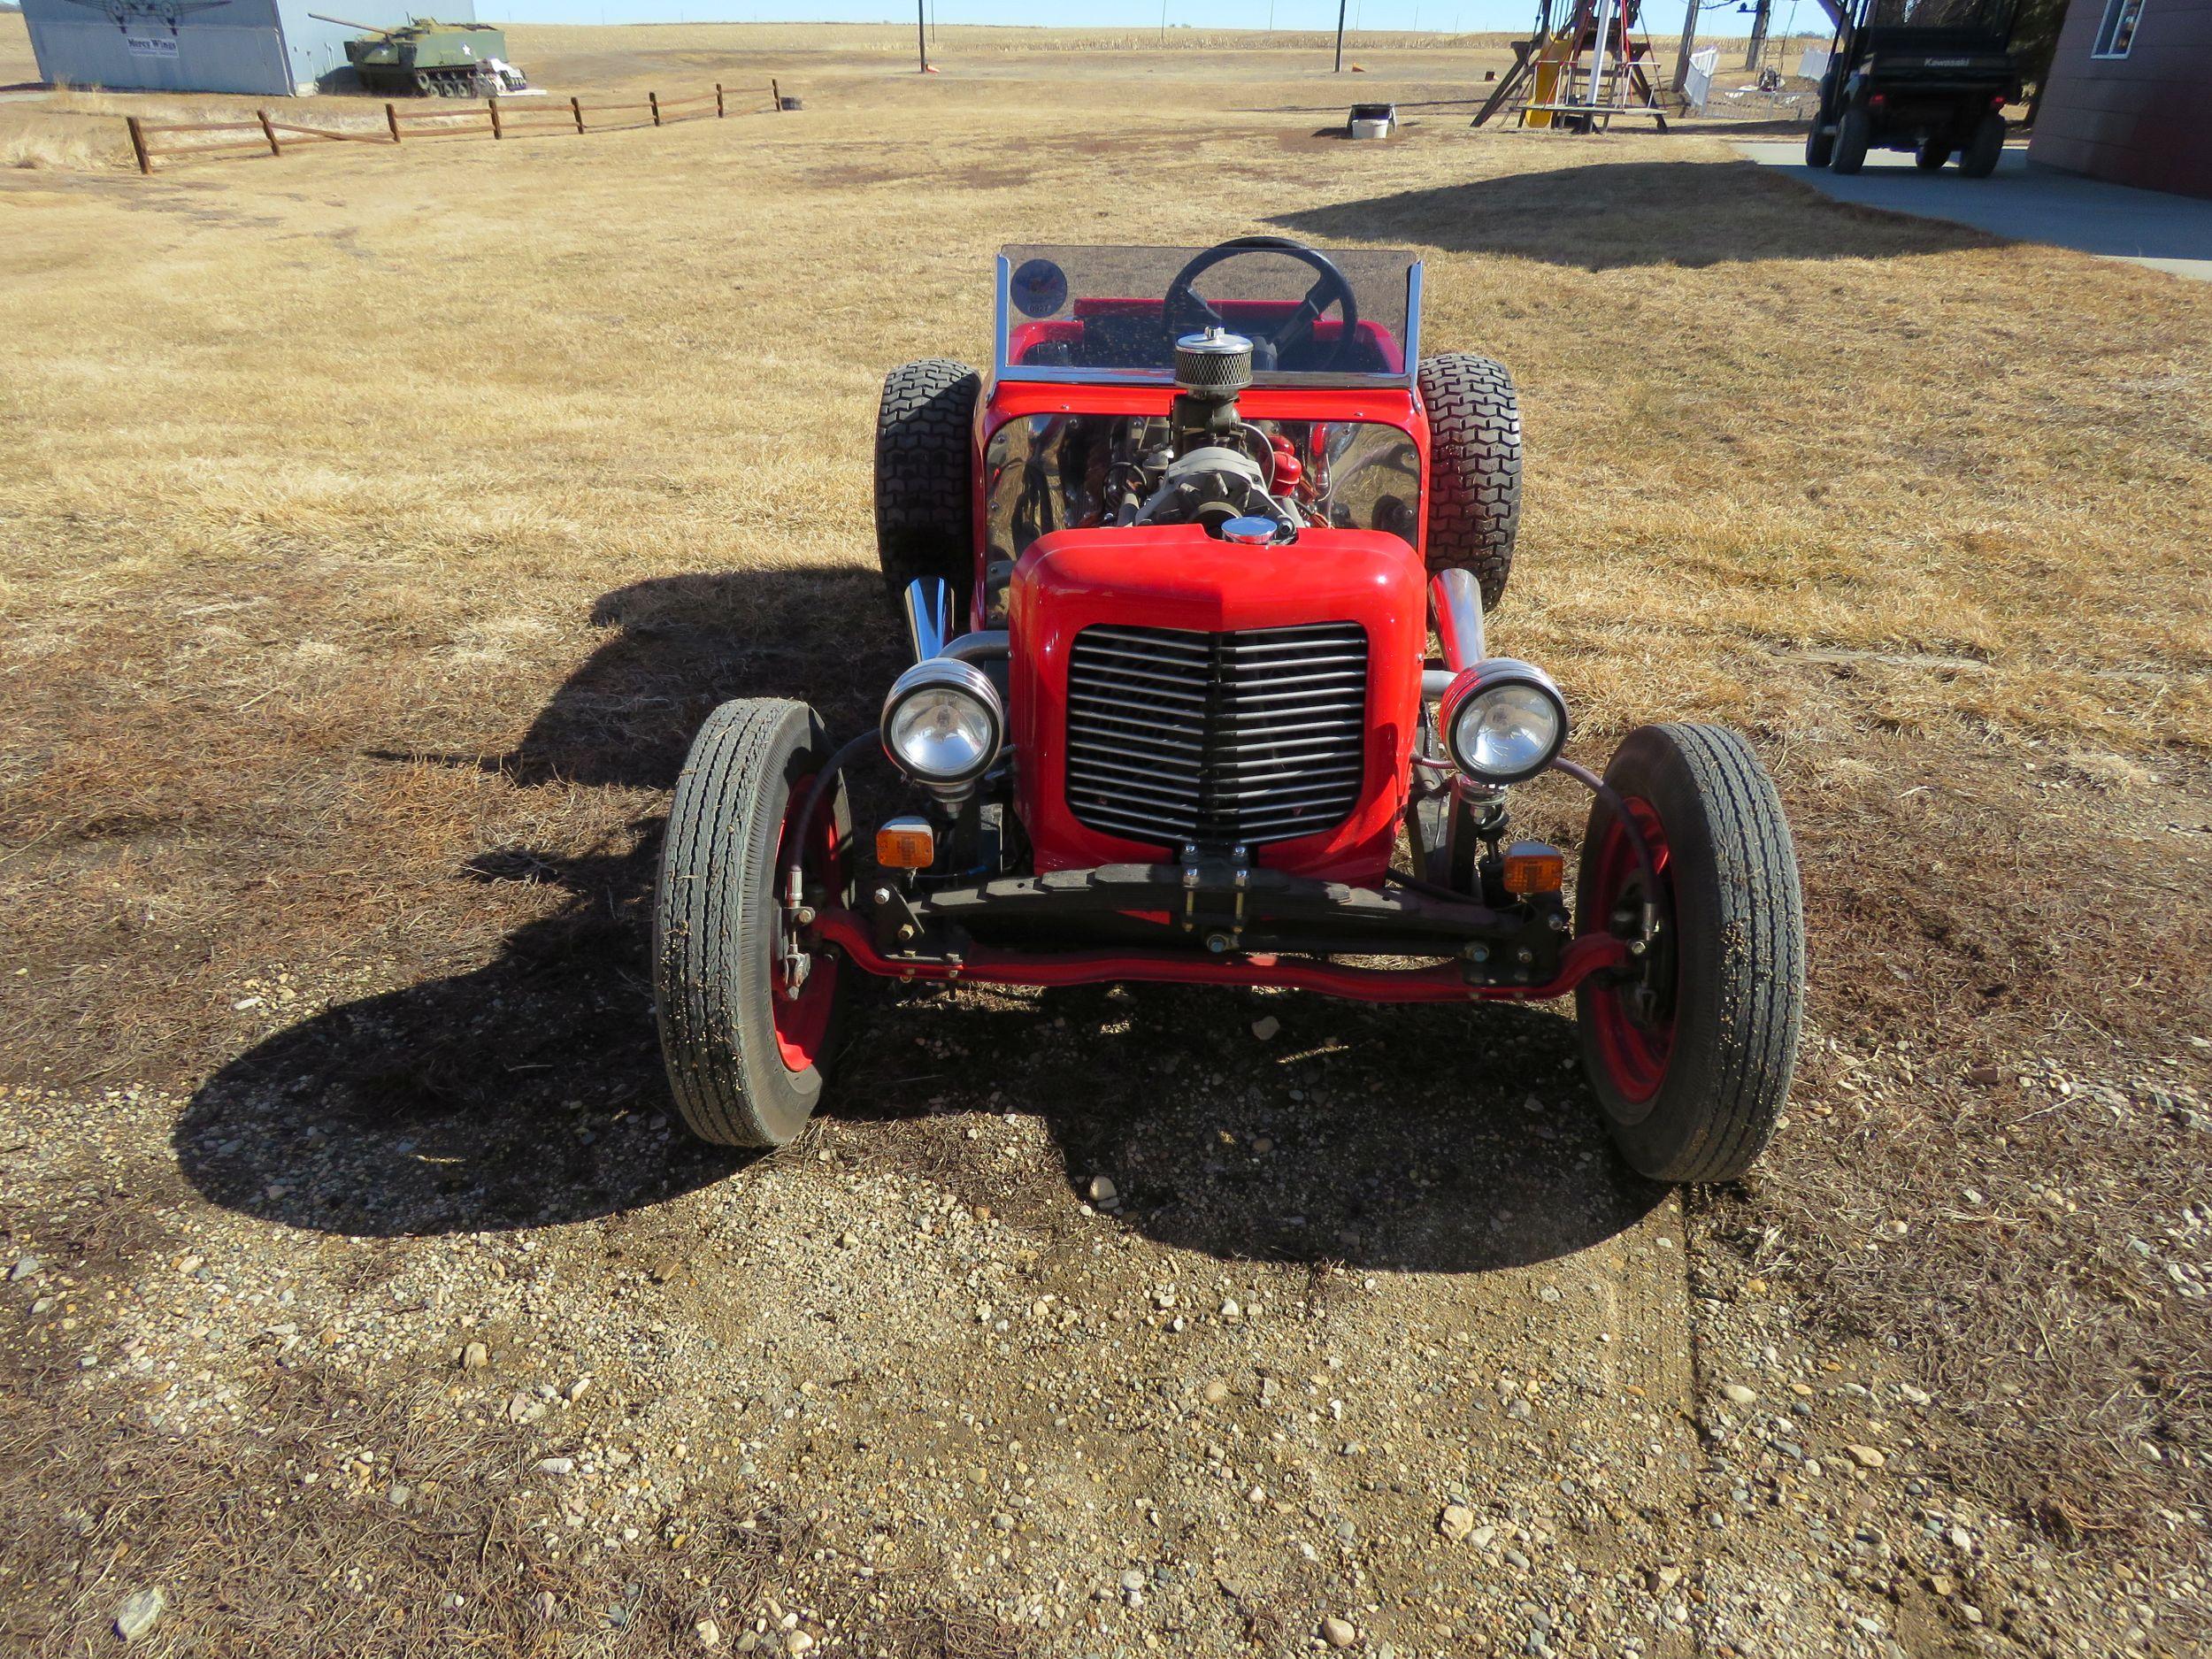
{"points": [[928, 615], [1456, 598]]}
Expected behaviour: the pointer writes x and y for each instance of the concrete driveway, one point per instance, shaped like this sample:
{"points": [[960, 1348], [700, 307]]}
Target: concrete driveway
{"points": [[2146, 228]]}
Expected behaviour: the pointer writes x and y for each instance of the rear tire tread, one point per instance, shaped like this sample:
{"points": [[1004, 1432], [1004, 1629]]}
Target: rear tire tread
{"points": [[1474, 505], [925, 472], [1985, 147]]}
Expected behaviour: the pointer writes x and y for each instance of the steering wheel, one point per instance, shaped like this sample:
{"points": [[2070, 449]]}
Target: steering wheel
{"points": [[1184, 307]]}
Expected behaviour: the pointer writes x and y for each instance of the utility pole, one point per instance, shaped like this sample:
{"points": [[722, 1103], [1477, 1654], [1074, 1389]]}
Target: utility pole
{"points": [[1689, 45], [1758, 34], [1340, 5], [921, 33]]}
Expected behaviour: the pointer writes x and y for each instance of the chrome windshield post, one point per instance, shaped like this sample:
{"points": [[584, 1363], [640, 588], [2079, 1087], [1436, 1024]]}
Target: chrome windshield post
{"points": [[999, 322], [1413, 317]]}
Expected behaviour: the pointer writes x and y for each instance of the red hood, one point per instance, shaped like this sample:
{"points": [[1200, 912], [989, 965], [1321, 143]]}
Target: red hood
{"points": [[1178, 577]]}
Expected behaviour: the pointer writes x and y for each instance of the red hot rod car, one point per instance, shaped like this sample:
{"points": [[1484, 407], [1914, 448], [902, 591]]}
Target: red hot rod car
{"points": [[1171, 574]]}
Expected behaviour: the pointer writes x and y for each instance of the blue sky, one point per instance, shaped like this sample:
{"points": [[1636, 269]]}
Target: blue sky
{"points": [[1662, 18]]}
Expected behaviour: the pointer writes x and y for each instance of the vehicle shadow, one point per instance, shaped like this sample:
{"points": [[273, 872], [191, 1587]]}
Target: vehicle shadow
{"points": [[528, 1091], [1610, 215]]}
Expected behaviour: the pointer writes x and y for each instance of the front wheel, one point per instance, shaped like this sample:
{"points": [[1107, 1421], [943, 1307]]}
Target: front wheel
{"points": [[1930, 154], [1690, 1051], [1980, 159], [1820, 143], [1854, 134], [746, 1046]]}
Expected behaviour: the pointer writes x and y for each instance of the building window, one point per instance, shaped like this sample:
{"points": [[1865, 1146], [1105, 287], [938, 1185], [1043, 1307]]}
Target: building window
{"points": [[2116, 33]]}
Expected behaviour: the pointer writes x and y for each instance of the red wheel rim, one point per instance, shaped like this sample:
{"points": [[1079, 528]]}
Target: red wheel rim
{"points": [[1634, 1047], [802, 1021]]}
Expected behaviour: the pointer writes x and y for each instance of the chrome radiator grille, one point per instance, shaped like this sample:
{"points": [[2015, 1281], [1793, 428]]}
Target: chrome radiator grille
{"points": [[1216, 738]]}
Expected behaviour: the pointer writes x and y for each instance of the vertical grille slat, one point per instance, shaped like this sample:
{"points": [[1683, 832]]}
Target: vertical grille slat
{"points": [[1218, 739]]}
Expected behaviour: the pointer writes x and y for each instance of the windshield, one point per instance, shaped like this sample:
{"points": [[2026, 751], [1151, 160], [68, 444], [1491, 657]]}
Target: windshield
{"points": [[1334, 316]]}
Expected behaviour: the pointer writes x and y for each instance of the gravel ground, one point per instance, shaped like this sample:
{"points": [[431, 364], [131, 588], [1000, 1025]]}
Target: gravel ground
{"points": [[1176, 1339]]}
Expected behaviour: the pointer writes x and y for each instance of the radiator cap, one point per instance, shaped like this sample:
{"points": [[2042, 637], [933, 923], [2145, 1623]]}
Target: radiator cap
{"points": [[1250, 532]]}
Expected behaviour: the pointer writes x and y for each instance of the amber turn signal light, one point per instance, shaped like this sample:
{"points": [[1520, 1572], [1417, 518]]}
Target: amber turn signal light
{"points": [[906, 843], [1532, 867]]}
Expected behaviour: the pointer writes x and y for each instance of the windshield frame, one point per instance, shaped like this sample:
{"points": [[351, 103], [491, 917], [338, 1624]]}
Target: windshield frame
{"points": [[1001, 331]]}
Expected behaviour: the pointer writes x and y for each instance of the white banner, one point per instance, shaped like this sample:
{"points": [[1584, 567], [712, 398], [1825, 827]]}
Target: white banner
{"points": [[1697, 86], [1812, 63]]}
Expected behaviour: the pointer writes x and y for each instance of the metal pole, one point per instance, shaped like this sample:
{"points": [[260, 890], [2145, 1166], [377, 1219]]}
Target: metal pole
{"points": [[1597, 59], [1689, 45], [1758, 35], [1340, 5], [921, 33]]}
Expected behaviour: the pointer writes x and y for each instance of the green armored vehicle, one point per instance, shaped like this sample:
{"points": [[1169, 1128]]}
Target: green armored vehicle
{"points": [[428, 58]]}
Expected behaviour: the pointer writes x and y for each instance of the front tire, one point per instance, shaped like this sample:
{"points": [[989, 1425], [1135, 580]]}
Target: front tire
{"points": [[1474, 505], [746, 1060], [1691, 1054], [1980, 159], [925, 472], [1930, 154], [1853, 136], [1819, 146]]}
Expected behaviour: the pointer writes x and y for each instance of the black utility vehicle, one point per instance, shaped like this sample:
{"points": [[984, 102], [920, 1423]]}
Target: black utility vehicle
{"points": [[1930, 76]]}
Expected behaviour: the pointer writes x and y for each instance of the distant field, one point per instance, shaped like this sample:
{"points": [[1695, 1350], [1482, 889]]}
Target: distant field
{"points": [[81, 129], [380, 523]]}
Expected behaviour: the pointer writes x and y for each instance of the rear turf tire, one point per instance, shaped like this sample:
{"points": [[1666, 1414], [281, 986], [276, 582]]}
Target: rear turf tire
{"points": [[745, 1062], [1691, 1085], [1980, 159], [1474, 506], [1854, 135], [925, 472]]}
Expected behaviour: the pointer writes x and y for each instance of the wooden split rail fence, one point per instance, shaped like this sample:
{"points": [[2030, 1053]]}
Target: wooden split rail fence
{"points": [[500, 119]]}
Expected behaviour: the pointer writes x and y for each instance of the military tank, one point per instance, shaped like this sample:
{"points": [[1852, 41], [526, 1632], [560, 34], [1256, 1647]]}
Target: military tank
{"points": [[428, 58]]}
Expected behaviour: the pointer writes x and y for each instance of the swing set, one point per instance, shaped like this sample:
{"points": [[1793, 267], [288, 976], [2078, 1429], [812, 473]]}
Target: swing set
{"points": [[1594, 66]]}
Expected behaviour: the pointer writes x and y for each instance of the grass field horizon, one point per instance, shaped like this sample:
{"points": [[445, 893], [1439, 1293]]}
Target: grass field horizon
{"points": [[78, 129]]}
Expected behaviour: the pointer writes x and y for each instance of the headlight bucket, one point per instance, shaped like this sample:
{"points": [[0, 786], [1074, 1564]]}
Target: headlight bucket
{"points": [[1503, 720], [943, 722]]}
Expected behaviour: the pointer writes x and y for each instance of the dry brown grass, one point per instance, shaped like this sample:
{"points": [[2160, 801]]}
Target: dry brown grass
{"points": [[319, 478]]}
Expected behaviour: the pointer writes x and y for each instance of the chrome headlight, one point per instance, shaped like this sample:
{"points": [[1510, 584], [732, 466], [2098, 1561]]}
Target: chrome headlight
{"points": [[1503, 720], [942, 722]]}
